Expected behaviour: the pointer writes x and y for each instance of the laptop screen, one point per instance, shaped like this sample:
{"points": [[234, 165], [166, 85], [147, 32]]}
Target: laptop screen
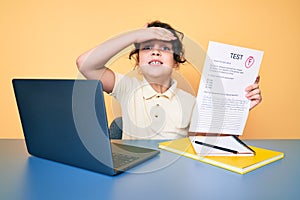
{"points": [[65, 121]]}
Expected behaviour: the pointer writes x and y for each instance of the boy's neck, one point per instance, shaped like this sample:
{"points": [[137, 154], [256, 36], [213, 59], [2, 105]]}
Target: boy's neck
{"points": [[161, 87]]}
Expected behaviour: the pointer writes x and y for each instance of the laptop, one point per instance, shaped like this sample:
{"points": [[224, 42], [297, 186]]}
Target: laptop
{"points": [[65, 121]]}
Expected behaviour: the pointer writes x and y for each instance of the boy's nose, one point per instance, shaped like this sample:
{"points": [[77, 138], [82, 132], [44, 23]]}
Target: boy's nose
{"points": [[156, 52]]}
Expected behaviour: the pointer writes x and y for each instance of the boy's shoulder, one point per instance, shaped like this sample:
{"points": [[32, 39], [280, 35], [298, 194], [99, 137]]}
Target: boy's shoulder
{"points": [[184, 95]]}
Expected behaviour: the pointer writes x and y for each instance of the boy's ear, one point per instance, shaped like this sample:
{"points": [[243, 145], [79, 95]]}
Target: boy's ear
{"points": [[176, 65]]}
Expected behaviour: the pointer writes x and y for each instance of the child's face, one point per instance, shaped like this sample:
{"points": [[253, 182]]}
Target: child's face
{"points": [[156, 59]]}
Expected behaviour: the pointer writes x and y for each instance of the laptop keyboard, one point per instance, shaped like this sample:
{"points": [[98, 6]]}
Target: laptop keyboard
{"points": [[122, 159]]}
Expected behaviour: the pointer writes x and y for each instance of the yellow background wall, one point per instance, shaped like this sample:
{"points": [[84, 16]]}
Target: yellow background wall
{"points": [[44, 38]]}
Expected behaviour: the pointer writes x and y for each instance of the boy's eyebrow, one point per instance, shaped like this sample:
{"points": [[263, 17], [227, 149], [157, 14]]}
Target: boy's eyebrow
{"points": [[153, 42], [147, 42]]}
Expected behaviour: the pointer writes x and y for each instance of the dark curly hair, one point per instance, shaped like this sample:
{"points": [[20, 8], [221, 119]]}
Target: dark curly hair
{"points": [[178, 54]]}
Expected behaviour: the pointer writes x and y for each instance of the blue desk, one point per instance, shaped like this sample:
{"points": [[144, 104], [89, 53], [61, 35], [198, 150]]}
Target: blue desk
{"points": [[167, 176]]}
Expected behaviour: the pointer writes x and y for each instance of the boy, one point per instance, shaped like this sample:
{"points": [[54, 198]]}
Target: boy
{"points": [[153, 108]]}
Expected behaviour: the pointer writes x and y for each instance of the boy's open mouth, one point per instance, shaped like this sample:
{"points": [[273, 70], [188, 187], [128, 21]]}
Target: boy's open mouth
{"points": [[155, 62]]}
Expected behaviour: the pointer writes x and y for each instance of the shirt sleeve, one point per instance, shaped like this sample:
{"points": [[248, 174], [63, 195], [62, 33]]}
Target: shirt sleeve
{"points": [[123, 87]]}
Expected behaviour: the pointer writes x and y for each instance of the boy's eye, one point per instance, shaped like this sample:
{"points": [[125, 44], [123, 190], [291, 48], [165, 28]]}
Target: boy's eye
{"points": [[152, 47], [165, 48], [147, 47]]}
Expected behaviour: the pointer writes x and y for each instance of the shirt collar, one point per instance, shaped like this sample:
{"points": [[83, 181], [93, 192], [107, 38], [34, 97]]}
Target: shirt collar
{"points": [[149, 92]]}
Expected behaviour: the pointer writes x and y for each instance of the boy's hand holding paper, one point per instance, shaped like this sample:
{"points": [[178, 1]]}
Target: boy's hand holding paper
{"points": [[221, 103], [222, 107]]}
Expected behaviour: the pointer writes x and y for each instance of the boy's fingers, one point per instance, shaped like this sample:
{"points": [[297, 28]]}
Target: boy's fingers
{"points": [[252, 87], [253, 92]]}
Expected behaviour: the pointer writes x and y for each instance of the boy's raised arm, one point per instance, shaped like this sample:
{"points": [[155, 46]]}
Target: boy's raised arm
{"points": [[92, 63]]}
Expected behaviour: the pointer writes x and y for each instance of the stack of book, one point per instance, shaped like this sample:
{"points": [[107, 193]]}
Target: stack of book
{"points": [[220, 155]]}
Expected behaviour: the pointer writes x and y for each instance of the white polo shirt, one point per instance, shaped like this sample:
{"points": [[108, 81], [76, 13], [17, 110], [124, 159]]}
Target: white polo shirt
{"points": [[147, 114]]}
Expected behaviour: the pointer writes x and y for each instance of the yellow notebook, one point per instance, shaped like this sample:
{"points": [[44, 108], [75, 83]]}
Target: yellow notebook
{"points": [[238, 164]]}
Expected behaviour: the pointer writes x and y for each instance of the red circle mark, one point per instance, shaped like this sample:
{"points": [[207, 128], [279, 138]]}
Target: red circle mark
{"points": [[249, 62]]}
